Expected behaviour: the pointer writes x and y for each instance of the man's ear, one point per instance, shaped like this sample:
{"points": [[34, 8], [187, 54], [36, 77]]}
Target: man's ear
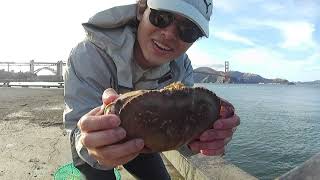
{"points": [[141, 7]]}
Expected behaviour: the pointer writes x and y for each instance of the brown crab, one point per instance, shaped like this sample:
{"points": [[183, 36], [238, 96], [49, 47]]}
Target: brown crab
{"points": [[168, 118]]}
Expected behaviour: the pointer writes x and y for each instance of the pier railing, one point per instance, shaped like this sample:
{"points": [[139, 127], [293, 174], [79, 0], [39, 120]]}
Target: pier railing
{"points": [[25, 84]]}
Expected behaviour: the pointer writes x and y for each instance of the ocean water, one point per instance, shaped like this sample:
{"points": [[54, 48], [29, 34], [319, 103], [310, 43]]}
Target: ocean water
{"points": [[280, 126]]}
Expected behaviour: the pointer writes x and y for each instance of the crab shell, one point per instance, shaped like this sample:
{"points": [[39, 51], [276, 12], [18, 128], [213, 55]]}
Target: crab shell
{"points": [[166, 119]]}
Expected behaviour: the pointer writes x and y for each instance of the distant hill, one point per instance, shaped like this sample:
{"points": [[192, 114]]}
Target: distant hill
{"points": [[209, 75], [310, 82]]}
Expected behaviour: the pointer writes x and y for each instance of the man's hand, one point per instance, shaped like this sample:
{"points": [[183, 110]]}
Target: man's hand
{"points": [[101, 134], [212, 142]]}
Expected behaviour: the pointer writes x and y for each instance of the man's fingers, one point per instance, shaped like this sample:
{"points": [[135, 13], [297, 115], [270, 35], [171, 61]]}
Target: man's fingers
{"points": [[227, 123], [95, 123], [118, 154], [93, 112], [109, 95], [102, 138], [213, 145], [213, 134], [121, 150]]}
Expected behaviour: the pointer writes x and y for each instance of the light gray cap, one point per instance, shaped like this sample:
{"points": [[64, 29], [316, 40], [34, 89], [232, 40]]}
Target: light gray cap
{"points": [[198, 11]]}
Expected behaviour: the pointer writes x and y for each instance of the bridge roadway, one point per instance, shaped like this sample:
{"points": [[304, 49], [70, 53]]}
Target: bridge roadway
{"points": [[28, 64], [46, 65]]}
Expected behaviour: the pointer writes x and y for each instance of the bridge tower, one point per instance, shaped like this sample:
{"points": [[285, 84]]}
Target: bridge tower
{"points": [[226, 72], [32, 66], [226, 66], [59, 68]]}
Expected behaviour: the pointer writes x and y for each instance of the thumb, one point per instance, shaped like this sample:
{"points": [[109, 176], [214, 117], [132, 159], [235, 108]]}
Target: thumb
{"points": [[108, 96]]}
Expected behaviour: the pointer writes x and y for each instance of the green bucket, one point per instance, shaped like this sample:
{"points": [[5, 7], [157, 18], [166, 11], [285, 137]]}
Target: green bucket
{"points": [[117, 173], [70, 172]]}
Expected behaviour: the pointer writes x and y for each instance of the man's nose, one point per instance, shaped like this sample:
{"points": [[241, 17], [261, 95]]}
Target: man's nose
{"points": [[170, 32]]}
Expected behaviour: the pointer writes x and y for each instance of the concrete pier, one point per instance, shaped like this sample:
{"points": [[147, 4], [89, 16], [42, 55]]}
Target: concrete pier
{"points": [[309, 170]]}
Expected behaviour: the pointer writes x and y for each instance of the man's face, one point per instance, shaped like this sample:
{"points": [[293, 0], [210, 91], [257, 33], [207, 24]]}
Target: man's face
{"points": [[158, 45]]}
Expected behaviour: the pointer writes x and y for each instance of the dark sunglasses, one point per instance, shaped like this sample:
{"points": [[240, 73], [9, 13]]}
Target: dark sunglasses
{"points": [[188, 31]]}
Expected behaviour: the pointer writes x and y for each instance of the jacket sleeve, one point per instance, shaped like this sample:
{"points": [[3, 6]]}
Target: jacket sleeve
{"points": [[87, 76]]}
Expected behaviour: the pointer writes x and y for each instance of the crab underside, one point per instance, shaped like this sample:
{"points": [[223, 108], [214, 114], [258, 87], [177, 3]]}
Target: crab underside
{"points": [[168, 118]]}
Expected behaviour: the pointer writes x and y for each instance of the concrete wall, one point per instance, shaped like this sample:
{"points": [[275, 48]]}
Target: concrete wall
{"points": [[200, 167], [309, 170]]}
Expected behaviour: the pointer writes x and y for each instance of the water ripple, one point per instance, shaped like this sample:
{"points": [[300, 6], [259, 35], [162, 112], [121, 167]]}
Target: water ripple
{"points": [[279, 126]]}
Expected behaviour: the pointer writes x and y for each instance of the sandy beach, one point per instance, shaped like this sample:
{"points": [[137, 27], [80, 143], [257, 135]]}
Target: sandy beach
{"points": [[33, 143]]}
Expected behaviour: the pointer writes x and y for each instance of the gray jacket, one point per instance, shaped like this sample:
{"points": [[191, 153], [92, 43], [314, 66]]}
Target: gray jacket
{"points": [[105, 60]]}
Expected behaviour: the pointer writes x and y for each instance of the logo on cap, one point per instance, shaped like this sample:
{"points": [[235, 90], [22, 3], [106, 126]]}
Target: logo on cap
{"points": [[207, 5]]}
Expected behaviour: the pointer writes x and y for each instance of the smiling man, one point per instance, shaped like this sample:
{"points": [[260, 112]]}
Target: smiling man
{"points": [[139, 46]]}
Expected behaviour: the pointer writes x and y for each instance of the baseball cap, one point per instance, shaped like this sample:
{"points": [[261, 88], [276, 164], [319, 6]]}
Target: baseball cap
{"points": [[198, 11]]}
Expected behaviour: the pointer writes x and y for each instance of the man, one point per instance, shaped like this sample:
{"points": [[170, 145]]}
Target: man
{"points": [[139, 46]]}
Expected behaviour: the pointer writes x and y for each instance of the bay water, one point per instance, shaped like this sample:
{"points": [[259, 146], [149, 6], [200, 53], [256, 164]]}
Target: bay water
{"points": [[280, 126]]}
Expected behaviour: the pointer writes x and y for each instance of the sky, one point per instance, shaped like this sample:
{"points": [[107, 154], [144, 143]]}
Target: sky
{"points": [[272, 38]]}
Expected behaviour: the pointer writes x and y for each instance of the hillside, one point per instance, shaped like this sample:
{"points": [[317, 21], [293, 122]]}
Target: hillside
{"points": [[209, 75]]}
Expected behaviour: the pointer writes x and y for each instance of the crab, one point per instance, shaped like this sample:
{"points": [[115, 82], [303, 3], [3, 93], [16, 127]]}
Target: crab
{"points": [[168, 118]]}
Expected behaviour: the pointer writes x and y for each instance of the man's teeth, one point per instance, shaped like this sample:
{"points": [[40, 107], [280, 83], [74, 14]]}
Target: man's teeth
{"points": [[161, 46]]}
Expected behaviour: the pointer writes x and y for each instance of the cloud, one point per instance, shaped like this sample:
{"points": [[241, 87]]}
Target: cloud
{"points": [[312, 63], [295, 20], [229, 36], [297, 35], [272, 64], [226, 6], [254, 56], [273, 7], [200, 58], [219, 67], [295, 9], [234, 5]]}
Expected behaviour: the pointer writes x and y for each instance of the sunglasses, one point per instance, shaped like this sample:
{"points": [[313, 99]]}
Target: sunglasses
{"points": [[188, 31]]}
